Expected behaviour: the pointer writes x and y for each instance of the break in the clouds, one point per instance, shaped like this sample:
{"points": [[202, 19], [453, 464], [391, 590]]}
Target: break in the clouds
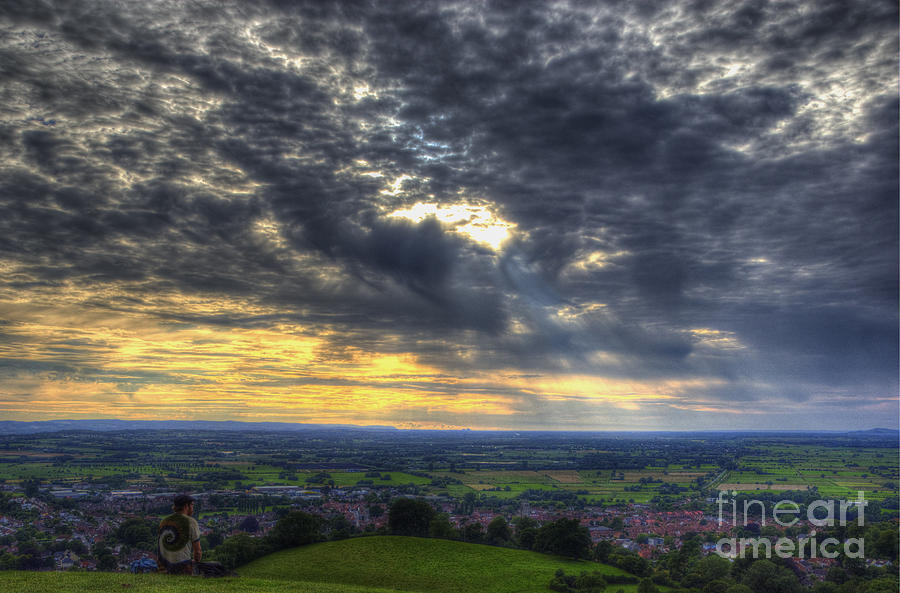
{"points": [[486, 214]]}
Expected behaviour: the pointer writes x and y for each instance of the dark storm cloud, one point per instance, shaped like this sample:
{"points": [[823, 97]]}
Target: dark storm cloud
{"points": [[702, 158]]}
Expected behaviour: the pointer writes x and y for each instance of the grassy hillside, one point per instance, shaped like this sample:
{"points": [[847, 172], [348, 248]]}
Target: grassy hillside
{"points": [[361, 565], [105, 582], [421, 565]]}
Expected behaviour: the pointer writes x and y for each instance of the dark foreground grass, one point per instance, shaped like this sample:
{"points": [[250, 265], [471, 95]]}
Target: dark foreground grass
{"points": [[422, 565], [103, 582]]}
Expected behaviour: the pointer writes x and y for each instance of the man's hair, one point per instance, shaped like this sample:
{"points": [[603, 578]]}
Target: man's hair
{"points": [[181, 501]]}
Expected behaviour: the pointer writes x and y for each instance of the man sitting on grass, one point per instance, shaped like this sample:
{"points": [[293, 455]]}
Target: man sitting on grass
{"points": [[178, 542]]}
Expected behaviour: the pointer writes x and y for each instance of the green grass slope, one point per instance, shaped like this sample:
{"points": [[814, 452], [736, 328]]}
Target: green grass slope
{"points": [[420, 566], [105, 582], [360, 565]]}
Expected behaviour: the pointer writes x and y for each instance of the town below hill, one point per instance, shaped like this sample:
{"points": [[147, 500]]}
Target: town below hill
{"points": [[653, 506]]}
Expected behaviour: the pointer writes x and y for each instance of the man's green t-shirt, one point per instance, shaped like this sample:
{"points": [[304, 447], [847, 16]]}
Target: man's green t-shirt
{"points": [[177, 534]]}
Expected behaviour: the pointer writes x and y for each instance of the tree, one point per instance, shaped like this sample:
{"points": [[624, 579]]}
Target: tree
{"points": [[602, 551], [339, 527], [106, 561], [410, 517], [565, 537], [215, 538], [837, 575], [526, 531], [8, 561], [137, 534], [592, 582], [647, 586], [824, 587], [560, 583], [705, 570], [472, 532], [77, 546], [886, 543], [882, 585], [716, 586], [240, 549], [440, 527], [498, 531], [766, 577], [32, 487], [468, 503], [679, 561], [629, 562], [250, 524], [295, 529]]}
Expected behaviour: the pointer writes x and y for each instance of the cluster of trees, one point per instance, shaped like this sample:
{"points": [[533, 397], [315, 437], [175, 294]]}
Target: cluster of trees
{"points": [[595, 582], [687, 570], [561, 498], [30, 556], [294, 529], [716, 575], [564, 537], [35, 551], [320, 478]]}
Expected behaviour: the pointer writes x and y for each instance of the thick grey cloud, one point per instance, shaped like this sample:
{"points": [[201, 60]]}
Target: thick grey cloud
{"points": [[688, 167]]}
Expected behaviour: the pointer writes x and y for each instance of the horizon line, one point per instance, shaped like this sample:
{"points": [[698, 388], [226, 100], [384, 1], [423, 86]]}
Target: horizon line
{"points": [[467, 429]]}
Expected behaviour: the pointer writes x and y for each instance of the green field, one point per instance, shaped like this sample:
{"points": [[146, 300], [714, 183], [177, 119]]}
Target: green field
{"points": [[16, 469], [836, 472], [602, 485], [621, 470], [421, 565]]}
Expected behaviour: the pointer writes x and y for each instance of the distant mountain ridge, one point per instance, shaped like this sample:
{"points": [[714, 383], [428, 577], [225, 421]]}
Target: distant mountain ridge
{"points": [[108, 425], [111, 425], [875, 432]]}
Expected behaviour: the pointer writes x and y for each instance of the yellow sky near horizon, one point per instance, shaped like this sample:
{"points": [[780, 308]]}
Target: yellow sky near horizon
{"points": [[79, 361]]}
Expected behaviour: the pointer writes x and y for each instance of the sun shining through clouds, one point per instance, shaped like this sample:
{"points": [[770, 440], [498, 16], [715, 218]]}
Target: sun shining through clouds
{"points": [[476, 222]]}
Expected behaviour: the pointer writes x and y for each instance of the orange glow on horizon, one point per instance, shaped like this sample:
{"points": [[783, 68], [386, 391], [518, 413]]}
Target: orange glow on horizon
{"points": [[140, 365]]}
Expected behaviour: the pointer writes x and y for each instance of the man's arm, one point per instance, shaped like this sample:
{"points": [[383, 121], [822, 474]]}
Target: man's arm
{"points": [[195, 538]]}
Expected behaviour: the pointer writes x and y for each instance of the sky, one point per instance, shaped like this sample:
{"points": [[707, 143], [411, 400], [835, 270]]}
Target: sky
{"points": [[618, 215]]}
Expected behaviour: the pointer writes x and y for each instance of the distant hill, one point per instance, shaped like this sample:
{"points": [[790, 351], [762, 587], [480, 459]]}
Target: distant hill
{"points": [[116, 425], [107, 425], [875, 432], [422, 565]]}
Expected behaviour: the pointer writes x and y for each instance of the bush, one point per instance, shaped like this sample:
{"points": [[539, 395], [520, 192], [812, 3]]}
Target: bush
{"points": [[410, 517], [564, 537], [295, 529], [764, 576], [440, 527], [593, 582], [240, 549], [137, 533], [629, 562], [498, 532], [621, 579]]}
